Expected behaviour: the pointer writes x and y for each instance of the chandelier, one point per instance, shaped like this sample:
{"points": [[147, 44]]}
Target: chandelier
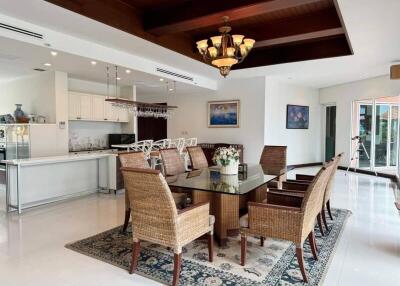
{"points": [[226, 50]]}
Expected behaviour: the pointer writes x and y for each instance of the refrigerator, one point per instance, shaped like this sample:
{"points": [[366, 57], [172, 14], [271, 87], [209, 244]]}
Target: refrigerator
{"points": [[17, 141]]}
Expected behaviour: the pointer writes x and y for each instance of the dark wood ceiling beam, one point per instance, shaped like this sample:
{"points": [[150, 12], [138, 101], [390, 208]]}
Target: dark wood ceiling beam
{"points": [[295, 25], [324, 48], [177, 21], [127, 18], [299, 38]]}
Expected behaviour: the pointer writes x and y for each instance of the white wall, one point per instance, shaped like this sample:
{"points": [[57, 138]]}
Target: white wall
{"points": [[343, 96], [35, 93], [50, 139], [304, 145], [87, 86], [263, 118], [190, 118]]}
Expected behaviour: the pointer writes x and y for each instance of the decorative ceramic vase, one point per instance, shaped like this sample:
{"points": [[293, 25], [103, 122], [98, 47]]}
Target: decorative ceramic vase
{"points": [[231, 169], [18, 113]]}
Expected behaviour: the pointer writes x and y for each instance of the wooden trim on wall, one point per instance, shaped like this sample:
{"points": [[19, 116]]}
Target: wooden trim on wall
{"points": [[367, 172], [292, 167]]}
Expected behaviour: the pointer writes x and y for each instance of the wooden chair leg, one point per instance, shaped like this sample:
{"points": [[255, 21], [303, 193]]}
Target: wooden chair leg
{"points": [[319, 219], [177, 268], [262, 241], [126, 222], [210, 239], [313, 244], [135, 256], [323, 213], [328, 206], [300, 260], [243, 250]]}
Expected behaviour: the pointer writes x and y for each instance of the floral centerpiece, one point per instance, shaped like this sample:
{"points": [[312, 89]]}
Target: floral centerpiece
{"points": [[227, 159]]}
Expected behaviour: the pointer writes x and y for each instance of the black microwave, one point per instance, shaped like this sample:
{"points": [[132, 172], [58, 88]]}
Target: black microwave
{"points": [[116, 139]]}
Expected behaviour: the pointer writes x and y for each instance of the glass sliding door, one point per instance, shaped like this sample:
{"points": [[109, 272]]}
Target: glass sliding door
{"points": [[381, 134], [377, 123], [394, 135], [365, 132]]}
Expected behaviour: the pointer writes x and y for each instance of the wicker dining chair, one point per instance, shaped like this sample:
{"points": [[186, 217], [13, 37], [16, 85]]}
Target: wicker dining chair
{"points": [[273, 159], [197, 157], [138, 159], [306, 179], [156, 219], [287, 217], [172, 162], [199, 161]]}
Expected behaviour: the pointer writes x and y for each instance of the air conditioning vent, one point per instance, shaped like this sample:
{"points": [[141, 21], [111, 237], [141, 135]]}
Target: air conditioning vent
{"points": [[21, 31], [164, 71]]}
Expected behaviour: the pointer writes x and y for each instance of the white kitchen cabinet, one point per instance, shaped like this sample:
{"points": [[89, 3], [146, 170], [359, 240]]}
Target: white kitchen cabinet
{"points": [[80, 106], [110, 112], [98, 106], [123, 115], [86, 106], [92, 107], [74, 106]]}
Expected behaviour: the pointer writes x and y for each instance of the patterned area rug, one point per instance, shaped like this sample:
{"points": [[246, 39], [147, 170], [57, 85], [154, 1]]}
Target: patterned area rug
{"points": [[273, 264]]}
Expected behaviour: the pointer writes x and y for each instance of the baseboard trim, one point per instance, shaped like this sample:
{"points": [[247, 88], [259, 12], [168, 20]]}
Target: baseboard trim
{"points": [[292, 167], [368, 172]]}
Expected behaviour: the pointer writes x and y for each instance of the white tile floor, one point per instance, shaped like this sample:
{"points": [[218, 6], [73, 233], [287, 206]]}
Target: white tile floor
{"points": [[32, 245]]}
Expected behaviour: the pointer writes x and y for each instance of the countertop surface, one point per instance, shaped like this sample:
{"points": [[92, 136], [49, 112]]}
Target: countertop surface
{"points": [[57, 159]]}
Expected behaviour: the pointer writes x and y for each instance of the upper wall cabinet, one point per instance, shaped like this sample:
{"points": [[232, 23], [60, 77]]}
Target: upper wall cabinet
{"points": [[80, 106], [91, 107]]}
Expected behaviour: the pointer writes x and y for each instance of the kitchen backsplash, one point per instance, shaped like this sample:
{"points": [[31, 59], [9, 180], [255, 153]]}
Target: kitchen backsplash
{"points": [[89, 135]]}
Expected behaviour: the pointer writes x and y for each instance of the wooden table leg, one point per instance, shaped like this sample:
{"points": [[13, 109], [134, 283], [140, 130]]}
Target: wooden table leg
{"points": [[226, 212]]}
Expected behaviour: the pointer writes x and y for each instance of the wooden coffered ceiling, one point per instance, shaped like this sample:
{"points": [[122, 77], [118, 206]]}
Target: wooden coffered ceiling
{"points": [[285, 30]]}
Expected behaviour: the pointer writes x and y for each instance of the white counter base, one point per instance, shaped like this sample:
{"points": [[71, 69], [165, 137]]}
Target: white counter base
{"points": [[33, 182]]}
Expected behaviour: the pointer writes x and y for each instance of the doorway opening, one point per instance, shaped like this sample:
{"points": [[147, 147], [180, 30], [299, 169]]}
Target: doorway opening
{"points": [[330, 132], [377, 123]]}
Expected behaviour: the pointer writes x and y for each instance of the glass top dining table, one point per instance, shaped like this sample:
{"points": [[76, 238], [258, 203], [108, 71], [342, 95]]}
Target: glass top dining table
{"points": [[210, 180]]}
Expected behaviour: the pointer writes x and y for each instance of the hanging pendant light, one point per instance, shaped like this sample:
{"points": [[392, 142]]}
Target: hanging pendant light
{"points": [[226, 49]]}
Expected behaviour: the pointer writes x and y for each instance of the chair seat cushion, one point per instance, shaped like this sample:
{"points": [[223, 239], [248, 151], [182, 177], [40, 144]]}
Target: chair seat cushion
{"points": [[244, 221], [211, 219]]}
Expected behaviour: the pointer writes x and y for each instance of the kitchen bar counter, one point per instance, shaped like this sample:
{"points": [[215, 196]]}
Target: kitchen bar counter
{"points": [[37, 181], [56, 159]]}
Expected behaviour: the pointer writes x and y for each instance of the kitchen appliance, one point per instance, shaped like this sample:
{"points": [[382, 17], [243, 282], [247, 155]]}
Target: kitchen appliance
{"points": [[14, 142], [116, 139], [2, 145]]}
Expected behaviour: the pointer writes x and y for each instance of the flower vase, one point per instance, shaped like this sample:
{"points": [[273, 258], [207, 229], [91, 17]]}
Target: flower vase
{"points": [[231, 169]]}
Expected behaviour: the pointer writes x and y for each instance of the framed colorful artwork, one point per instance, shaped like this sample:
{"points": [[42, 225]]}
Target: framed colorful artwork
{"points": [[223, 113], [297, 117]]}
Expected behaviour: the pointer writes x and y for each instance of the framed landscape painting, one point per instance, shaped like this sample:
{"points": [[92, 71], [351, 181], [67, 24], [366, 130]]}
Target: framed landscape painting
{"points": [[297, 117], [223, 113]]}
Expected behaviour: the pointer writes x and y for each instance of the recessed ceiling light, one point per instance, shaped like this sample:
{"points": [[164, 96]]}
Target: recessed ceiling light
{"points": [[161, 79], [93, 63], [53, 53], [47, 64], [128, 71], [171, 89], [118, 78]]}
